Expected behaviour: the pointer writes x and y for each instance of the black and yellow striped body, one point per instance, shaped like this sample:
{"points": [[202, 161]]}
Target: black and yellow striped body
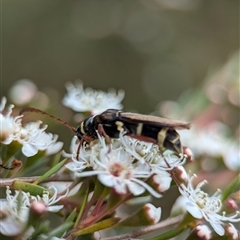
{"points": [[112, 122], [143, 127]]}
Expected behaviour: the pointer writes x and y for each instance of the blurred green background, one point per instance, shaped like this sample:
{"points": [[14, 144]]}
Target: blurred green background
{"points": [[154, 50]]}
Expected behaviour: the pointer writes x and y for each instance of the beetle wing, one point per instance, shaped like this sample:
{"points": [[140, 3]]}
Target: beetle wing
{"points": [[153, 120]]}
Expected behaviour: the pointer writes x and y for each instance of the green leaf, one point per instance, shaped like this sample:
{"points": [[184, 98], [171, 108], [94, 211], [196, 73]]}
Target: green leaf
{"points": [[97, 226], [43, 228], [51, 172], [170, 234], [72, 216], [29, 187], [59, 231], [231, 188]]}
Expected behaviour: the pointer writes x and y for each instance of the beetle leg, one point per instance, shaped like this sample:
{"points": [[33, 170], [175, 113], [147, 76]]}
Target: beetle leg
{"points": [[102, 132], [85, 139]]}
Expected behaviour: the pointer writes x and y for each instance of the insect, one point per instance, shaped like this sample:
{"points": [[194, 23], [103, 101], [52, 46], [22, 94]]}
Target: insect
{"points": [[112, 122]]}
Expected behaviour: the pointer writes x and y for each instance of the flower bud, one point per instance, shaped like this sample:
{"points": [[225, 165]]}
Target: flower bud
{"points": [[202, 232], [147, 215]]}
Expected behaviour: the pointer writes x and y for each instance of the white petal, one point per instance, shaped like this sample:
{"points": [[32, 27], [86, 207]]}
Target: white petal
{"points": [[218, 228], [54, 148], [106, 180], [193, 210], [29, 150], [73, 166], [55, 208], [135, 188]]}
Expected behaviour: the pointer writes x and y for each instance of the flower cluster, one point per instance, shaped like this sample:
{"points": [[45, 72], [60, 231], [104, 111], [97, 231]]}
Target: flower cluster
{"points": [[15, 209], [104, 173], [210, 143], [201, 206], [89, 100], [32, 137], [125, 164]]}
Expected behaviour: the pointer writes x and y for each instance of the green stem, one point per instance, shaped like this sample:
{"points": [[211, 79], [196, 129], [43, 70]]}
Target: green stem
{"points": [[84, 203], [113, 202], [232, 187], [170, 234]]}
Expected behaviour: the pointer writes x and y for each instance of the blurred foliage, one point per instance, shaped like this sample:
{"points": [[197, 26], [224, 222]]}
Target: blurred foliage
{"points": [[152, 49]]}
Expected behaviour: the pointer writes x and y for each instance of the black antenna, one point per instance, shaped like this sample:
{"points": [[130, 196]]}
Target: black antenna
{"points": [[30, 109]]}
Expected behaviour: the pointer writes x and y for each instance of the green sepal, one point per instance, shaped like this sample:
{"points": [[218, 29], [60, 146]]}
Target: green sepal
{"points": [[56, 158], [60, 230], [51, 172], [42, 228], [72, 216], [97, 226], [114, 200], [10, 150], [170, 234], [188, 220], [99, 191], [231, 188], [33, 189], [84, 202]]}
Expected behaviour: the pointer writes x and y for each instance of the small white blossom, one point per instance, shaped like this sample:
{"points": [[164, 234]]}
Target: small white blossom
{"points": [[90, 100], [8, 125], [84, 156], [14, 212], [125, 164], [213, 140], [49, 201], [15, 209], [200, 205], [27, 89], [31, 136]]}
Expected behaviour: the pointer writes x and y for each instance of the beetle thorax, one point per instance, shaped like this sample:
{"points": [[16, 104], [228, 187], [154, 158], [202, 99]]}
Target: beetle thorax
{"points": [[88, 127]]}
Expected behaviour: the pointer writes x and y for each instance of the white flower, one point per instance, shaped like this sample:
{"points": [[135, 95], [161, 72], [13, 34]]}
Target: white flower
{"points": [[54, 148], [114, 166], [33, 138], [14, 213], [80, 162], [8, 125], [150, 155], [125, 164], [49, 201], [231, 156], [27, 90], [213, 140], [90, 100], [200, 205], [15, 209]]}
